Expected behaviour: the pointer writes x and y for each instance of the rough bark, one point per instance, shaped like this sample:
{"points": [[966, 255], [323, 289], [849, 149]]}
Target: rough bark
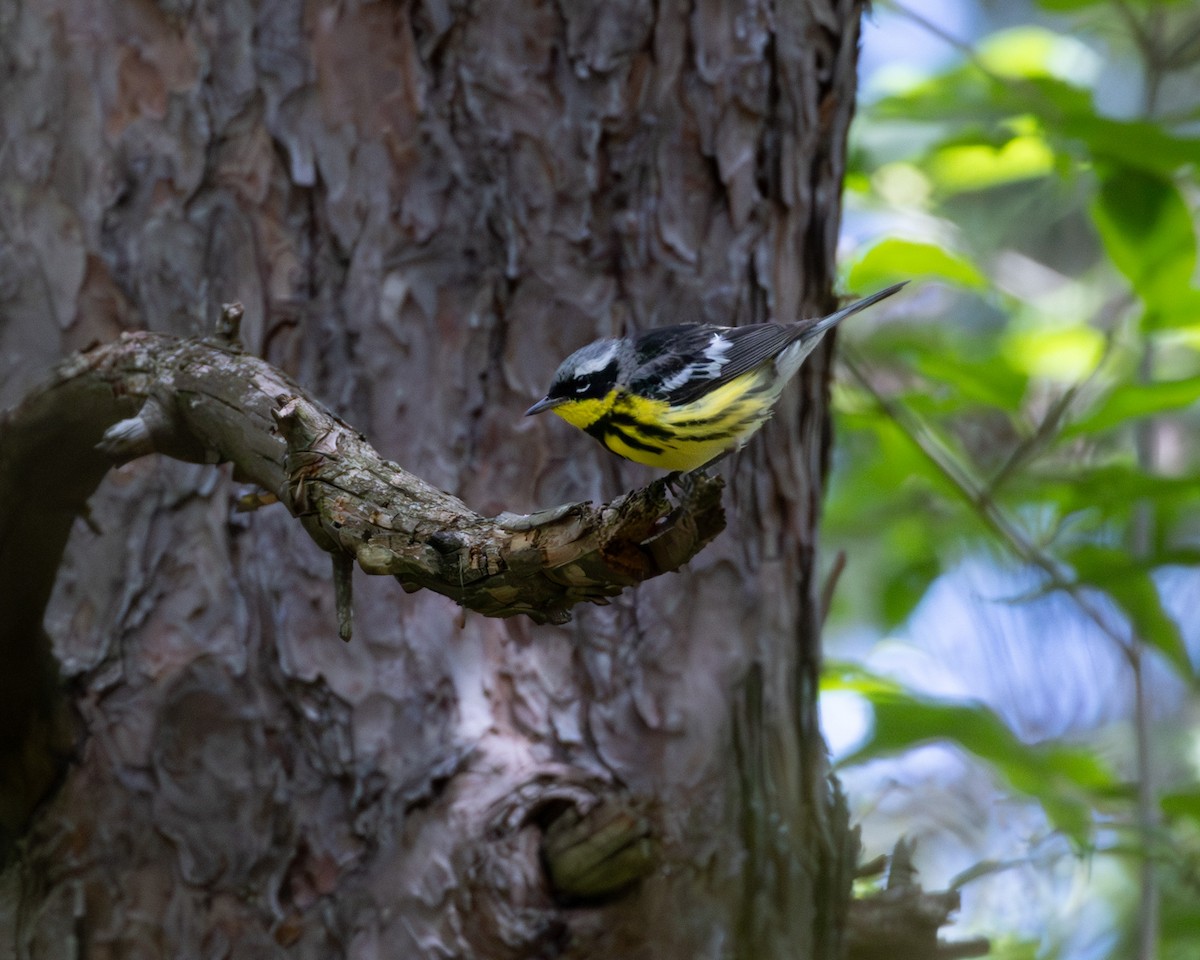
{"points": [[424, 207]]}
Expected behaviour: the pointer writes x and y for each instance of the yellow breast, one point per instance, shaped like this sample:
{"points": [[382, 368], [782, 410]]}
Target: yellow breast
{"points": [[682, 437], [583, 413]]}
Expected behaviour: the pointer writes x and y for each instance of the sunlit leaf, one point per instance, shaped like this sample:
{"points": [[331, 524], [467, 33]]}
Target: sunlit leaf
{"points": [[856, 181], [1064, 354], [1035, 52], [979, 166], [896, 258], [963, 97], [902, 185], [966, 102]]}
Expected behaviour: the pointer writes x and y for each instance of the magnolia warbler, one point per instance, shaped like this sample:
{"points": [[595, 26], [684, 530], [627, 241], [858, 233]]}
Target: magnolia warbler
{"points": [[680, 397]]}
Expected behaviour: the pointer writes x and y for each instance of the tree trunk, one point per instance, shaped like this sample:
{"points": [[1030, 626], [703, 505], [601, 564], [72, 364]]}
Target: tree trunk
{"points": [[423, 207]]}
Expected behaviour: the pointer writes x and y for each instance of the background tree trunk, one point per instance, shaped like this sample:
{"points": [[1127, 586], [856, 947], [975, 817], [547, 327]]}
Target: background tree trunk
{"points": [[424, 207]]}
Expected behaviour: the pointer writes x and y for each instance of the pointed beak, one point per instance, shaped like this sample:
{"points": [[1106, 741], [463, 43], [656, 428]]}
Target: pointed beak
{"points": [[546, 403]]}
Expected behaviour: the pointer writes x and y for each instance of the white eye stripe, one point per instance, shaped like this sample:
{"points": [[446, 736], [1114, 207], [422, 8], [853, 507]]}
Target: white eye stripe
{"points": [[597, 363]]}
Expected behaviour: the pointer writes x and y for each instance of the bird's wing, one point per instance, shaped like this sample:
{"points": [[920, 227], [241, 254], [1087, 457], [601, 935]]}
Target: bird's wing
{"points": [[679, 364]]}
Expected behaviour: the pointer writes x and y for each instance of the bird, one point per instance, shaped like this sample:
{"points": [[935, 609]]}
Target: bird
{"points": [[679, 398]]}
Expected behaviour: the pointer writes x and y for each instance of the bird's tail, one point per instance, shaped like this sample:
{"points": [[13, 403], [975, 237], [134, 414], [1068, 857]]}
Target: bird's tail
{"points": [[826, 323]]}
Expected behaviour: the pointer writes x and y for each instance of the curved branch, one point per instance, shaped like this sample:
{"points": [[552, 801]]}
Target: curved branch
{"points": [[205, 401]]}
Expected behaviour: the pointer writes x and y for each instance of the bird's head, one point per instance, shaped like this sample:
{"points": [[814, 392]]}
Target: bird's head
{"points": [[579, 392]]}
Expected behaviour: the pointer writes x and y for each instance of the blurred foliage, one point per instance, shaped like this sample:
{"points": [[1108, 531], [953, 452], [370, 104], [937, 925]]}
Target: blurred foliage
{"points": [[1066, 780], [1040, 396]]}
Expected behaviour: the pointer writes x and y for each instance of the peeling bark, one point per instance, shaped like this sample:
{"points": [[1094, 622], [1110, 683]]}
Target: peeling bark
{"points": [[423, 206]]}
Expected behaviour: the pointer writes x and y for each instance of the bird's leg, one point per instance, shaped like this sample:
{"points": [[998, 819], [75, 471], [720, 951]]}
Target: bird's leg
{"points": [[682, 484]]}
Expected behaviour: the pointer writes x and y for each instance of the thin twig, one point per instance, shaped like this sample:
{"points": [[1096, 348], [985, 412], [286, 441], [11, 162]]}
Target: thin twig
{"points": [[977, 497], [831, 582], [1048, 427], [1151, 46], [1136, 28], [1141, 535], [962, 46], [1028, 447]]}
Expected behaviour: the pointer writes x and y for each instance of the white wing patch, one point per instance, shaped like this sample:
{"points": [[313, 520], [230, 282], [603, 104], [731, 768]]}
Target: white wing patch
{"points": [[707, 369]]}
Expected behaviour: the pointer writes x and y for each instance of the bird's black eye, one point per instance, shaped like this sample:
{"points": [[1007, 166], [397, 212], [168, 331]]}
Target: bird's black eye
{"points": [[585, 387]]}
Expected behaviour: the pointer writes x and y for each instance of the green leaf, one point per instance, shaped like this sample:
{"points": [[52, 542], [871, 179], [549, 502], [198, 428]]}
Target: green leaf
{"points": [[1033, 52], [879, 509], [1061, 6], [1107, 487], [906, 585], [1067, 781], [1129, 585], [1184, 803], [979, 166], [903, 259], [1009, 946], [1136, 144], [1148, 232], [966, 103], [991, 382], [1129, 401]]}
